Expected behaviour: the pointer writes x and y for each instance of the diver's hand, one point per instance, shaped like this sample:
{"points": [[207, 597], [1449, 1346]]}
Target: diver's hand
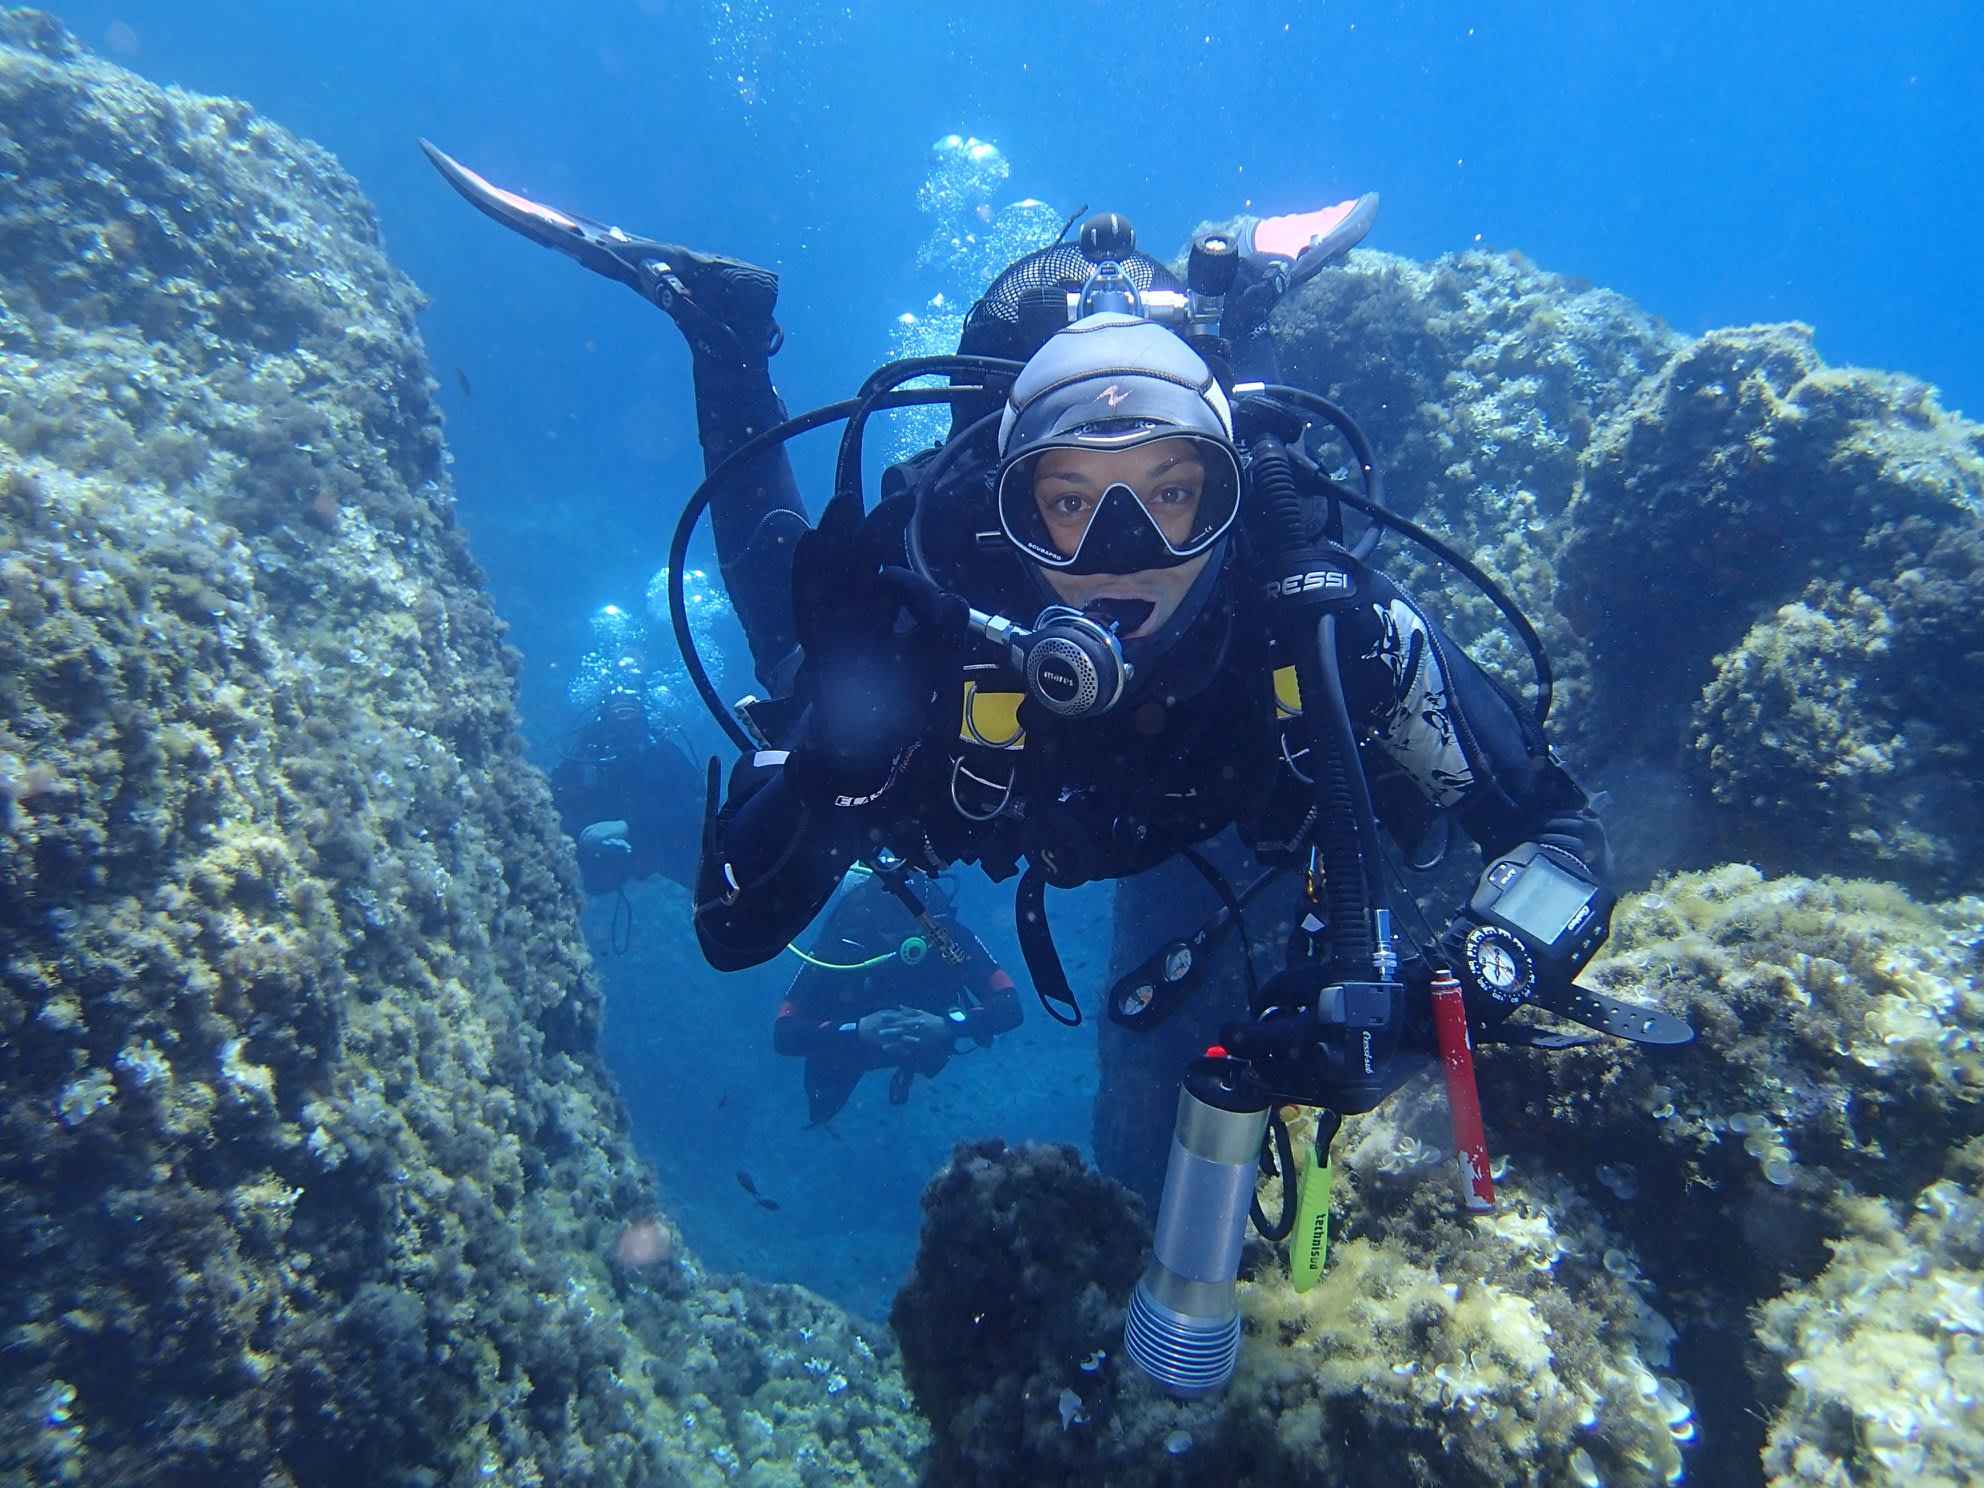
{"points": [[606, 857], [602, 838], [1581, 834], [904, 1035], [876, 641]]}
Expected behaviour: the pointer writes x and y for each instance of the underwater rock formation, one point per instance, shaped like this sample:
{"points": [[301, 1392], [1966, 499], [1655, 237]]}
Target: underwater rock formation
{"points": [[1813, 1163], [1840, 1065], [1481, 381], [1012, 1310], [1774, 563], [1752, 571], [310, 1172], [1432, 1351], [1884, 1351]]}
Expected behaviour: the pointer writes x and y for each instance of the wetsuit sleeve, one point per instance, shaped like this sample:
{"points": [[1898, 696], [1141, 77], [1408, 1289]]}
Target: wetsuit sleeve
{"points": [[807, 1023], [1463, 742], [998, 1009], [769, 863]]}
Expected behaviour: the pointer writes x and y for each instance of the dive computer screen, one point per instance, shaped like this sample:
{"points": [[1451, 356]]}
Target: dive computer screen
{"points": [[1543, 901]]}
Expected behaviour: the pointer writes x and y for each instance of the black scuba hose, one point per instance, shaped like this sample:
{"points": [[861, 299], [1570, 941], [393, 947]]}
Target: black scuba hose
{"points": [[1346, 828], [699, 500], [1367, 459], [1275, 1140], [938, 468], [880, 385]]}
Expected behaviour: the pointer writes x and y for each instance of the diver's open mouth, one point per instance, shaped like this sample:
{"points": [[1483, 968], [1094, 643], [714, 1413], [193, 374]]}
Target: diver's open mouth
{"points": [[1127, 616]]}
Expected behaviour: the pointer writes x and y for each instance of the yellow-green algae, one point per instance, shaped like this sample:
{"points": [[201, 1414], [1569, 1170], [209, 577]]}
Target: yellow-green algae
{"points": [[1513, 1348], [309, 1169], [1883, 1353], [1433, 1351], [1775, 564], [1841, 1058]]}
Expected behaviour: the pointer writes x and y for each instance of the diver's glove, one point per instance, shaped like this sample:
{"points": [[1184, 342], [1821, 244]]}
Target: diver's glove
{"points": [[907, 1036], [605, 856], [877, 643], [1581, 834], [602, 838]]}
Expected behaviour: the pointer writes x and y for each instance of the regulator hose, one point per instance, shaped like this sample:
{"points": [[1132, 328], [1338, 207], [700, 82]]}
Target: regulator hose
{"points": [[1346, 826]]}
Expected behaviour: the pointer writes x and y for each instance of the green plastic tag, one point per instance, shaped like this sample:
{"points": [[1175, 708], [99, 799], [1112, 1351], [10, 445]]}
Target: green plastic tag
{"points": [[1309, 1241]]}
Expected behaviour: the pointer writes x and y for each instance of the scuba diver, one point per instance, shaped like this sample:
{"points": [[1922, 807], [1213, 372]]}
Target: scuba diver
{"points": [[629, 797], [1119, 611], [874, 994]]}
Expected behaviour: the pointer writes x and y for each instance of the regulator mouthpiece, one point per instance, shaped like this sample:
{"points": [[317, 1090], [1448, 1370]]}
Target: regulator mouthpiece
{"points": [[1183, 1328]]}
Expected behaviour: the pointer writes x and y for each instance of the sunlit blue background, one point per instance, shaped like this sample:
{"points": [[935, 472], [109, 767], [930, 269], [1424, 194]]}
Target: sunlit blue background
{"points": [[1719, 163]]}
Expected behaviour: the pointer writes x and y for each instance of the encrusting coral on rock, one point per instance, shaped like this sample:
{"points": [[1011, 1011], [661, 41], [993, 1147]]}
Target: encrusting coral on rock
{"points": [[1775, 564], [310, 1172], [1883, 1352], [1432, 1351]]}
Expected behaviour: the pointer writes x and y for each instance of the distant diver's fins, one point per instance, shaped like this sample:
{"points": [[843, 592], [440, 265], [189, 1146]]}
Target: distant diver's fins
{"points": [[723, 305]]}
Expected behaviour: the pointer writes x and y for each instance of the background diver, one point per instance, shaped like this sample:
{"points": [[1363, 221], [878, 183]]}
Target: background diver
{"points": [[1206, 646], [875, 994], [627, 794]]}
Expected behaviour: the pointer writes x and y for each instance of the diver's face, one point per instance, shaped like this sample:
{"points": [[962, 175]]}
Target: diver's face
{"points": [[1168, 476]]}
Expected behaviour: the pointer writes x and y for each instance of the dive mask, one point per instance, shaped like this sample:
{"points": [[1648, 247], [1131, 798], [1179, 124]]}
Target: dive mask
{"points": [[1179, 507]]}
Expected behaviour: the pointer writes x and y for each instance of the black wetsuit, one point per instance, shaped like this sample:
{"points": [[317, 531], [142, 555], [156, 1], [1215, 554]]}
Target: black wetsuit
{"points": [[817, 1020]]}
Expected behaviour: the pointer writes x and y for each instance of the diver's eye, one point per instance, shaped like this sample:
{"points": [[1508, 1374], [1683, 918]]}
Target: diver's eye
{"points": [[1067, 506], [1174, 495]]}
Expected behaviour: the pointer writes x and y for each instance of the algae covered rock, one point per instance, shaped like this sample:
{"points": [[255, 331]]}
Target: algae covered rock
{"points": [[1841, 1052], [1883, 1353], [1012, 1311], [1753, 571], [1771, 560], [1481, 380], [1432, 1352], [310, 1172]]}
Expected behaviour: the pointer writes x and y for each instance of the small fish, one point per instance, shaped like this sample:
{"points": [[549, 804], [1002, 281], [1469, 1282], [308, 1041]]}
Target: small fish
{"points": [[723, 1100], [461, 381], [746, 1182]]}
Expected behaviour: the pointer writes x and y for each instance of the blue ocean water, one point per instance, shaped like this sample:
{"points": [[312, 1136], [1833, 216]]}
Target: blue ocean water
{"points": [[1717, 164]]}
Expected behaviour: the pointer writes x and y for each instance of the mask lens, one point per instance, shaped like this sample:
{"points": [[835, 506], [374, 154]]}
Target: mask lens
{"points": [[1069, 507]]}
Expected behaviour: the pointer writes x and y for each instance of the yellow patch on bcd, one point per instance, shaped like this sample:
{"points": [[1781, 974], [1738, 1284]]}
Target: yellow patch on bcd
{"points": [[991, 718], [1287, 693]]}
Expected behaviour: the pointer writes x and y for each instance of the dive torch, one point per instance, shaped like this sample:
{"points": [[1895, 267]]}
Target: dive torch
{"points": [[1183, 1328]]}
